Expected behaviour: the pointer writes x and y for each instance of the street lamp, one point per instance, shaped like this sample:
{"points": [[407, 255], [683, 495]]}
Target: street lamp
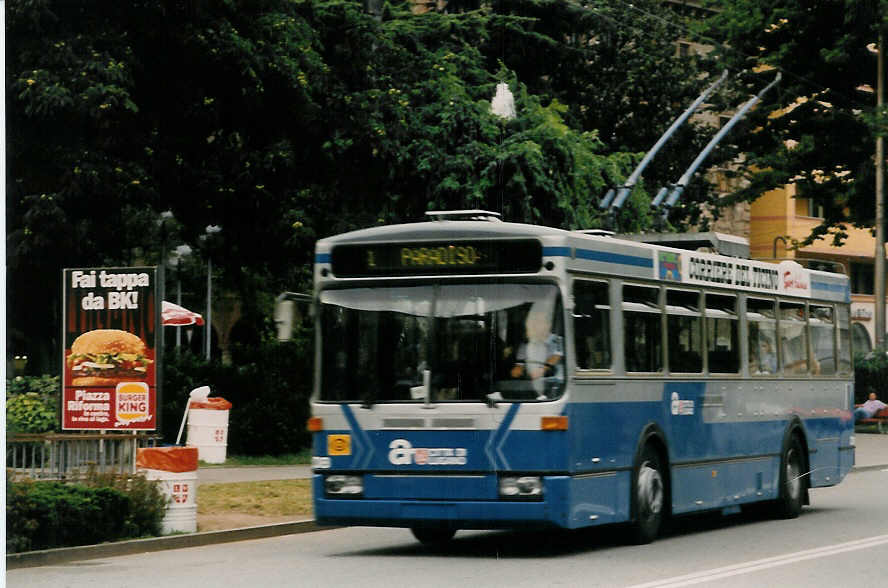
{"points": [[503, 103], [879, 254], [179, 254], [208, 234]]}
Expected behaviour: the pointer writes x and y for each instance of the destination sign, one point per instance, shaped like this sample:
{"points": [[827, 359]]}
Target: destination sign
{"points": [[448, 257]]}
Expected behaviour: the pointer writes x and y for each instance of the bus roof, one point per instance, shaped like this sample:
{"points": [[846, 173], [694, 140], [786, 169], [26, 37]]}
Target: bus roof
{"points": [[577, 251]]}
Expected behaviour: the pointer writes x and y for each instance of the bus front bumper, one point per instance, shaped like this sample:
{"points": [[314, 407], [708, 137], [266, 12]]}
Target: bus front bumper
{"points": [[567, 502]]}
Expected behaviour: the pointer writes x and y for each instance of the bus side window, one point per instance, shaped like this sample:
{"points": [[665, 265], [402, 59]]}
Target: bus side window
{"points": [[684, 331], [793, 340], [761, 336], [844, 350], [591, 325], [821, 322], [642, 329], [722, 334]]}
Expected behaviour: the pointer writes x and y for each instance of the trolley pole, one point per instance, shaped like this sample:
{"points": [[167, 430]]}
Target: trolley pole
{"points": [[879, 256]]}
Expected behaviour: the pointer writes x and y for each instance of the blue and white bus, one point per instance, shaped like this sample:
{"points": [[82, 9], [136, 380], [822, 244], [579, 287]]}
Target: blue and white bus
{"points": [[478, 374]]}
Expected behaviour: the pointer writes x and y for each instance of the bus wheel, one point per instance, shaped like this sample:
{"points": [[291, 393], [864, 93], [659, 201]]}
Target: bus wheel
{"points": [[792, 481], [649, 496], [433, 535]]}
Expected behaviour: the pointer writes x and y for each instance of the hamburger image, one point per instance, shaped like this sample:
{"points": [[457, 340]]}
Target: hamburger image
{"points": [[104, 357]]}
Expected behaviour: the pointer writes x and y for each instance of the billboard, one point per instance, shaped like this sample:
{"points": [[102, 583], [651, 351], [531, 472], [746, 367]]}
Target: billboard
{"points": [[111, 338]]}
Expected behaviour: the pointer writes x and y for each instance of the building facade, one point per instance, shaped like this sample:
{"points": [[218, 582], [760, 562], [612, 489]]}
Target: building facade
{"points": [[782, 217]]}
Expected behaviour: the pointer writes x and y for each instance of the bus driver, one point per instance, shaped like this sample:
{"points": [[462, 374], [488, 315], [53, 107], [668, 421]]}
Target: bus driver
{"points": [[539, 358]]}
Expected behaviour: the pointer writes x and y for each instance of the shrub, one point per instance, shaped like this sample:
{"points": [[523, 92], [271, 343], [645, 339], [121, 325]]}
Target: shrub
{"points": [[104, 507], [268, 386], [43, 385], [147, 502], [32, 404], [43, 515]]}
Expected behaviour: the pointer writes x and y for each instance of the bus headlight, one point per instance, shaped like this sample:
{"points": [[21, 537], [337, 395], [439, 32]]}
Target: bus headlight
{"points": [[339, 485], [521, 487]]}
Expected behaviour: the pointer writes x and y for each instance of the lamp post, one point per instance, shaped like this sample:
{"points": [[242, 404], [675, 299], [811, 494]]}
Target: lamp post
{"points": [[879, 255], [206, 237], [178, 255]]}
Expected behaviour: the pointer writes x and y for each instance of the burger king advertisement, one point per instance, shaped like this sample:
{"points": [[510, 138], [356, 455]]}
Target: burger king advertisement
{"points": [[111, 329]]}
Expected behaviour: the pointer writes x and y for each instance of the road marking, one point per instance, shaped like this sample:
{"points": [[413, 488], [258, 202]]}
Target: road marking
{"points": [[763, 564]]}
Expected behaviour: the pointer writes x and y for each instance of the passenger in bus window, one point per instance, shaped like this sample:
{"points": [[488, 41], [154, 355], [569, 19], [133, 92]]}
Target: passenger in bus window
{"points": [[540, 356], [764, 359]]}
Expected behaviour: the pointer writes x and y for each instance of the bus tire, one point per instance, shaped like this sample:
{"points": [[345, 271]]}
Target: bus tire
{"points": [[433, 535], [648, 496], [792, 480]]}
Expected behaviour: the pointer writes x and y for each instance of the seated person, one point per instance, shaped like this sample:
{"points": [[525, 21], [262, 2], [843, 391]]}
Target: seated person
{"points": [[763, 358], [869, 408], [539, 358]]}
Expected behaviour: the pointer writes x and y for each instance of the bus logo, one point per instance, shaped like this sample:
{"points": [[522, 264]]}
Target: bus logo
{"points": [[403, 453], [681, 407], [670, 266]]}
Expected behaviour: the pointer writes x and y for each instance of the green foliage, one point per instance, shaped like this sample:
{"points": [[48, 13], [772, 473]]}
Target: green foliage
{"points": [[268, 386], [147, 502], [32, 404], [283, 122], [43, 515], [614, 65], [104, 507], [44, 385], [821, 50], [870, 375]]}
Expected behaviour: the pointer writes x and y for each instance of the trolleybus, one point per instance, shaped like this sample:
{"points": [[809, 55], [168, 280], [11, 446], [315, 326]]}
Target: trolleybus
{"points": [[479, 374]]}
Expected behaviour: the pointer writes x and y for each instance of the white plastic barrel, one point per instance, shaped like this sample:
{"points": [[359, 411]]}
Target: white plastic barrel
{"points": [[208, 431], [181, 488]]}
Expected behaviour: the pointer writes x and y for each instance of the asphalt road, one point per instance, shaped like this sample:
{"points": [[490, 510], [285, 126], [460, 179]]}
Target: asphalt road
{"points": [[837, 543]]}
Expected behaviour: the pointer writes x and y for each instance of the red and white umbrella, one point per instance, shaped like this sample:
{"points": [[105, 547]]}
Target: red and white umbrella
{"points": [[176, 316]]}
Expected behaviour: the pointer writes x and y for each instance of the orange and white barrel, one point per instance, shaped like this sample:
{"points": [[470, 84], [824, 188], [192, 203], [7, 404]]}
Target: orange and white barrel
{"points": [[175, 469]]}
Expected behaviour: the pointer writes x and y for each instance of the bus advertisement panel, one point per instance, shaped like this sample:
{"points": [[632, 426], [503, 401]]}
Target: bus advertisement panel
{"points": [[110, 328]]}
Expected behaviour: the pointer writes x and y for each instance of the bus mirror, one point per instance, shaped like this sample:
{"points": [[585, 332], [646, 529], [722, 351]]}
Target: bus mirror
{"points": [[283, 319]]}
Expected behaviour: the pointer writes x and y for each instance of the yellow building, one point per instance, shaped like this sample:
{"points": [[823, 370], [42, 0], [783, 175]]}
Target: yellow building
{"points": [[779, 217]]}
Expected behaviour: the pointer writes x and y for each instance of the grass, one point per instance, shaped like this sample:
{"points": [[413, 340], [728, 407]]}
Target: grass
{"points": [[276, 498], [272, 498]]}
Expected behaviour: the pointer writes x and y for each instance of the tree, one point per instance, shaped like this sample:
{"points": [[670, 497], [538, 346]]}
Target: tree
{"points": [[817, 130], [118, 111], [616, 67], [283, 122]]}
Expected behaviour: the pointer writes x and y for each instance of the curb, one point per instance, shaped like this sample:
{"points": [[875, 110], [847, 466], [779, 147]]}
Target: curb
{"points": [[59, 555], [868, 468]]}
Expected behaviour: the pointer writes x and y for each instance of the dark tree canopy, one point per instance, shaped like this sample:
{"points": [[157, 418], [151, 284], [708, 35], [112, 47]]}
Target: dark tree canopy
{"points": [[283, 121]]}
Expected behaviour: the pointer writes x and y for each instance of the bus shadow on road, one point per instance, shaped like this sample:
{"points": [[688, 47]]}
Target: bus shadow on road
{"points": [[507, 544], [522, 544]]}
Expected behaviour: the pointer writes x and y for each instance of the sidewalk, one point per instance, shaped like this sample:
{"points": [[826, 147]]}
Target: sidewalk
{"points": [[224, 475], [871, 453]]}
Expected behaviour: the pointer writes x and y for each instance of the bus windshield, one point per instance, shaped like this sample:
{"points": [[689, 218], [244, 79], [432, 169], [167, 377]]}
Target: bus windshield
{"points": [[439, 343]]}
